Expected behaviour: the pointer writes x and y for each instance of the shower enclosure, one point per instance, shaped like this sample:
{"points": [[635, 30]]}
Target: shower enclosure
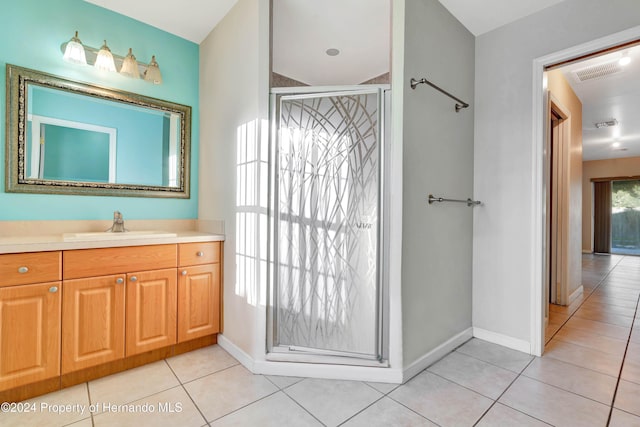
{"points": [[327, 224]]}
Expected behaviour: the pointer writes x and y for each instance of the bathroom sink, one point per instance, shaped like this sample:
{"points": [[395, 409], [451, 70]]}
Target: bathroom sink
{"points": [[104, 235]]}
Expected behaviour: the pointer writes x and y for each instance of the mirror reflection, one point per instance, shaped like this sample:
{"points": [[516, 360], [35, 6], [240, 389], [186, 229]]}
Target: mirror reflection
{"points": [[68, 137]]}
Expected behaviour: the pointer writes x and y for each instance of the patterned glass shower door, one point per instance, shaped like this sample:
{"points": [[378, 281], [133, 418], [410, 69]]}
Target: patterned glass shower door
{"points": [[327, 223]]}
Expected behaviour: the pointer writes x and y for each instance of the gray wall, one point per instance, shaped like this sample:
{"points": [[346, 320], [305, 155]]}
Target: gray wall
{"points": [[503, 164], [438, 159]]}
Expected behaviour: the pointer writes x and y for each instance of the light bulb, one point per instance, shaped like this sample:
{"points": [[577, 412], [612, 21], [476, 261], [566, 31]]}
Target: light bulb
{"points": [[152, 74], [104, 60], [130, 66], [625, 60], [74, 52]]}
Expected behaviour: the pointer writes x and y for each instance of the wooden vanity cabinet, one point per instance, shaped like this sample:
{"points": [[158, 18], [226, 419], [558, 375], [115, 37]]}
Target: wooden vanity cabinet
{"points": [[106, 318], [29, 318], [198, 290], [68, 317]]}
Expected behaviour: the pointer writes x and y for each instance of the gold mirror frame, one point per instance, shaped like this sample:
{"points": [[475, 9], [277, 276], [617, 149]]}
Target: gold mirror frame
{"points": [[16, 180]]}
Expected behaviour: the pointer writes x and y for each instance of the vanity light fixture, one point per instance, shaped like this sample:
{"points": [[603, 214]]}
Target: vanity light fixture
{"points": [[74, 51], [103, 59]]}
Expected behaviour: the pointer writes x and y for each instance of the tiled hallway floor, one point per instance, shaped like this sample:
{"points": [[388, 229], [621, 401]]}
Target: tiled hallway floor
{"points": [[589, 376]]}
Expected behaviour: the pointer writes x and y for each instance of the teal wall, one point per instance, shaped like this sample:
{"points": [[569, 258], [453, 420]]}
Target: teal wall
{"points": [[32, 32]]}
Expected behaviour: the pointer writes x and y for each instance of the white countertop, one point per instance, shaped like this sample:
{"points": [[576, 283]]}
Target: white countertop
{"points": [[55, 242]]}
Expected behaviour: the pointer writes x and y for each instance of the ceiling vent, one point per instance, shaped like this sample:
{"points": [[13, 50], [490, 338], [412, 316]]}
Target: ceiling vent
{"points": [[608, 123], [597, 71]]}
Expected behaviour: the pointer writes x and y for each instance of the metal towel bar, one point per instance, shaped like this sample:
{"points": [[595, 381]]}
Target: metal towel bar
{"points": [[459, 106], [469, 202]]}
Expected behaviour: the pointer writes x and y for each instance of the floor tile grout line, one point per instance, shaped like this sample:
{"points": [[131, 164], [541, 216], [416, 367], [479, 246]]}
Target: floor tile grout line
{"points": [[383, 393], [490, 363], [363, 409], [587, 330], [502, 394], [129, 402], [415, 412], [624, 357], [604, 321], [281, 388], [89, 397], [588, 347], [241, 407], [211, 373], [568, 391], [300, 405], [594, 333], [187, 392], [517, 410], [468, 388], [577, 366], [584, 300]]}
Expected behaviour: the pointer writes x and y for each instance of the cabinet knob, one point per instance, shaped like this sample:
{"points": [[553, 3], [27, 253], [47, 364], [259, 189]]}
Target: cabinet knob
{"points": [[23, 270], [199, 253], [183, 272], [119, 280], [53, 289], [134, 279]]}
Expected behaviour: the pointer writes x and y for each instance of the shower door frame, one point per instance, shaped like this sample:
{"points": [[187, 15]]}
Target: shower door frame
{"points": [[275, 352]]}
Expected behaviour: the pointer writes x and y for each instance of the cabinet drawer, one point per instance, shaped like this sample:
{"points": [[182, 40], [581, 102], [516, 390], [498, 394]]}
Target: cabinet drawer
{"points": [[105, 261], [199, 253], [26, 268]]}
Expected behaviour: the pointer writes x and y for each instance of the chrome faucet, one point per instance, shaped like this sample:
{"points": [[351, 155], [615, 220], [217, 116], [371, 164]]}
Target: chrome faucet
{"points": [[118, 224]]}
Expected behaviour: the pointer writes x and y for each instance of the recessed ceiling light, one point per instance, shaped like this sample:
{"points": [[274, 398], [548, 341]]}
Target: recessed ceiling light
{"points": [[615, 144], [332, 52]]}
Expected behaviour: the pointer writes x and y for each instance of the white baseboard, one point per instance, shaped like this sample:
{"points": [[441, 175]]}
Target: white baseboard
{"points": [[345, 372], [587, 251], [436, 354], [575, 294], [503, 340], [311, 370], [239, 354]]}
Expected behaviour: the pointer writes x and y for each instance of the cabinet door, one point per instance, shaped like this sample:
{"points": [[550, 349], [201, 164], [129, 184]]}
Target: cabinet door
{"points": [[151, 310], [198, 301], [92, 321], [29, 334]]}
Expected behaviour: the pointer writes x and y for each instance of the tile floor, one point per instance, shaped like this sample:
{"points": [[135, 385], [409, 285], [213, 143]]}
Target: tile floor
{"points": [[592, 359]]}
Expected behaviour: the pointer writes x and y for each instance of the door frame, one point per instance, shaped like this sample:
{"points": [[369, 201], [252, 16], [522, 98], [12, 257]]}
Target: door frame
{"points": [[538, 230], [557, 176]]}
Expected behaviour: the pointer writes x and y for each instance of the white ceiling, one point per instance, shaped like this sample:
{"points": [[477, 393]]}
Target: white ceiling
{"points": [[190, 19], [481, 16], [194, 19], [616, 96], [304, 30]]}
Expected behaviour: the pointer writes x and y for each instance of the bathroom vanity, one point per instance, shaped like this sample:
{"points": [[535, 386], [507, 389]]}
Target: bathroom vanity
{"points": [[72, 311]]}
